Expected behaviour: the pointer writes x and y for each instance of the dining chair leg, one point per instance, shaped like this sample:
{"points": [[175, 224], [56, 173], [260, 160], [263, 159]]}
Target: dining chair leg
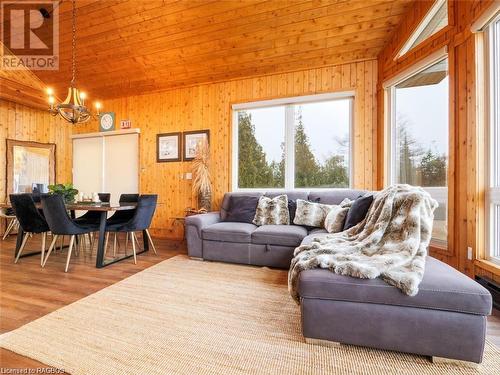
{"points": [[151, 241], [126, 242], [136, 240], [81, 243], [23, 244], [52, 246], [114, 245], [77, 245], [11, 225], [71, 242], [89, 237], [133, 246], [106, 243], [44, 238], [61, 243]]}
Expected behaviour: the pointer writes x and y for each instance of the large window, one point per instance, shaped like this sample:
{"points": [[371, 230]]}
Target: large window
{"points": [[293, 143], [436, 19], [493, 183], [419, 136]]}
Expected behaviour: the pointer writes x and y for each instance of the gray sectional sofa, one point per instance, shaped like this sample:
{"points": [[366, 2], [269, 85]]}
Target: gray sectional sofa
{"points": [[446, 319]]}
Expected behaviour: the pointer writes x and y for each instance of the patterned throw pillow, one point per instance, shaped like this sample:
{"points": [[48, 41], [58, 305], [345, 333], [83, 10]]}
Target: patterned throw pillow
{"points": [[310, 213], [334, 221], [272, 211]]}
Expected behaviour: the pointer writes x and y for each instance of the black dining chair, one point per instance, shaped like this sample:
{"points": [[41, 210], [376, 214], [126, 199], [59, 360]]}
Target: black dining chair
{"points": [[30, 220], [125, 215], [93, 217], [121, 217], [61, 224], [140, 221]]}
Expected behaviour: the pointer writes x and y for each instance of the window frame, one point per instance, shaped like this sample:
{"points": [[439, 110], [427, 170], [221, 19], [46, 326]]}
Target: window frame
{"points": [[492, 94], [288, 103], [438, 193], [408, 45]]}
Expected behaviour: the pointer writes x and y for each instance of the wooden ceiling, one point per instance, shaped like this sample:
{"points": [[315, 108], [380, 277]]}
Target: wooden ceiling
{"points": [[129, 47]]}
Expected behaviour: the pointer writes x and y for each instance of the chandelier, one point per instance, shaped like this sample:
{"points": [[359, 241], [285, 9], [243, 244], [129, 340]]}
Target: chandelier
{"points": [[73, 108]]}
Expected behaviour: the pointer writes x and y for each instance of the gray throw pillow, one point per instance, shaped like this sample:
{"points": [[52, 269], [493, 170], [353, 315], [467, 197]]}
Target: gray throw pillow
{"points": [[272, 211], [241, 208], [358, 211], [311, 214]]}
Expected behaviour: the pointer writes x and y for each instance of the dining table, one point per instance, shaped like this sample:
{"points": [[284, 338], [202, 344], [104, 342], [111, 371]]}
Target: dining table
{"points": [[104, 209]]}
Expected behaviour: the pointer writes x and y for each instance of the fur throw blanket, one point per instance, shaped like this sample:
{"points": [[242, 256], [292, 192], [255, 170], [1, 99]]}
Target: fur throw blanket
{"points": [[391, 242]]}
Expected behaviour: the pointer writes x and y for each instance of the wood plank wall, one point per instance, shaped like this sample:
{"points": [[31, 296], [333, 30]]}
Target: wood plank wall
{"points": [[21, 86], [24, 123], [209, 107], [466, 178]]}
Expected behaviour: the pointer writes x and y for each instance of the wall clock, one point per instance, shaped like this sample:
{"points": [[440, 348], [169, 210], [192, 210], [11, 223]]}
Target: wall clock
{"points": [[107, 121]]}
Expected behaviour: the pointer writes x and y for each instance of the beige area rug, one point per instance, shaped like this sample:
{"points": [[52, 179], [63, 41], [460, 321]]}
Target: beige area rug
{"points": [[189, 317]]}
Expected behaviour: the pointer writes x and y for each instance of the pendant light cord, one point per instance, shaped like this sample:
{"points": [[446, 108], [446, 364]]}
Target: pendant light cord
{"points": [[73, 47]]}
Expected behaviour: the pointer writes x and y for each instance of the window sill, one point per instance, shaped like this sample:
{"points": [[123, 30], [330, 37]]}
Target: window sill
{"points": [[487, 265], [439, 248]]}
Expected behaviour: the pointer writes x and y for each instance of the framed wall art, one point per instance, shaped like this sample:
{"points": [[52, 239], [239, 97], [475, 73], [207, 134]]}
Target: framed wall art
{"points": [[168, 147], [191, 141]]}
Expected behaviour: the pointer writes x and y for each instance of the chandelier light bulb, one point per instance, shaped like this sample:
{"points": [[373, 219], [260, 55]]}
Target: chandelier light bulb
{"points": [[51, 100], [98, 106], [50, 92], [83, 95]]}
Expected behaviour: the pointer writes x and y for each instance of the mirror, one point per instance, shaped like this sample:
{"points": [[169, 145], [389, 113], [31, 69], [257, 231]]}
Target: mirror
{"points": [[30, 165]]}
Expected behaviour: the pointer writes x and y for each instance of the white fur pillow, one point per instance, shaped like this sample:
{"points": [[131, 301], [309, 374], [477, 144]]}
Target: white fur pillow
{"points": [[272, 211], [310, 213], [334, 221]]}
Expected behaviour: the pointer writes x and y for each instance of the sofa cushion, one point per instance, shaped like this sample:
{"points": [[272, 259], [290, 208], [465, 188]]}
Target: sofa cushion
{"points": [[357, 212], [227, 197], [311, 214], [315, 231], [284, 235], [241, 208], [442, 288], [272, 211], [229, 232], [334, 221], [292, 195]]}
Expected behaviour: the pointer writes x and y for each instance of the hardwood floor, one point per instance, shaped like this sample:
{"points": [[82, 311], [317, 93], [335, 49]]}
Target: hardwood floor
{"points": [[28, 292]]}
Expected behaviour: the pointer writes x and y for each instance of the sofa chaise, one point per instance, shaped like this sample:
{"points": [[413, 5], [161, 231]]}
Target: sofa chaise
{"points": [[445, 320]]}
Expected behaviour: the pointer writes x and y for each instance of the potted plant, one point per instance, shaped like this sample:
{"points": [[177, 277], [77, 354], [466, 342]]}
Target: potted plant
{"points": [[67, 191], [201, 177]]}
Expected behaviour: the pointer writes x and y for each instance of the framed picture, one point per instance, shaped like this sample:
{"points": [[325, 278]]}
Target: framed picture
{"points": [[168, 147], [191, 142]]}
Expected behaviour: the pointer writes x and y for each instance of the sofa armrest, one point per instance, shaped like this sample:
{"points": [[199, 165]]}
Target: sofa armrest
{"points": [[194, 226]]}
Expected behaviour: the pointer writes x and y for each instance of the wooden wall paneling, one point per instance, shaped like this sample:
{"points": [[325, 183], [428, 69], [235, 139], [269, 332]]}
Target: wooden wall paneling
{"points": [[209, 107], [24, 123], [466, 187]]}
